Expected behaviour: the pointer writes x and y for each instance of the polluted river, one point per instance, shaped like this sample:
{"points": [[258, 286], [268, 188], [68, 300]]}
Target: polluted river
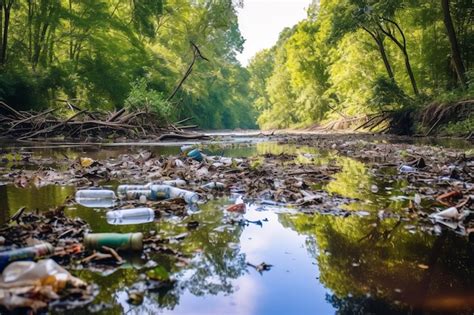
{"points": [[302, 225]]}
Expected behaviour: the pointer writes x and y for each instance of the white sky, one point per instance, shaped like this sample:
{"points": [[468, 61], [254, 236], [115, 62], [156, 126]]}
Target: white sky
{"points": [[261, 21]]}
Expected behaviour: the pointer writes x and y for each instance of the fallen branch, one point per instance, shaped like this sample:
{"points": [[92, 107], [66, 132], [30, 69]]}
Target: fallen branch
{"points": [[182, 136], [85, 125]]}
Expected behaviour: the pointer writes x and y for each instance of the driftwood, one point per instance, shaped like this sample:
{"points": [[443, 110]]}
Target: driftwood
{"points": [[83, 124], [187, 136]]}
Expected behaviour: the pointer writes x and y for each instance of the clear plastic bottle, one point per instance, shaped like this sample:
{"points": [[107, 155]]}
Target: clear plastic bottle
{"points": [[188, 196], [137, 194], [29, 272], [175, 182], [130, 216], [96, 198], [123, 189], [213, 185], [407, 169]]}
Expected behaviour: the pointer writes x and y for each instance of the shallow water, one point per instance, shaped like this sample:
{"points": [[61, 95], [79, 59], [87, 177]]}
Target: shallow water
{"points": [[322, 264]]}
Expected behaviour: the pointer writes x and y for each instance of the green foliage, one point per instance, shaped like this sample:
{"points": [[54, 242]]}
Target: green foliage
{"points": [[462, 127], [387, 95], [347, 58], [93, 50], [141, 97]]}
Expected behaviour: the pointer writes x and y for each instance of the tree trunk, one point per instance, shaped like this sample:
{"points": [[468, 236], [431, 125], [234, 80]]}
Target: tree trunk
{"points": [[196, 54], [410, 73], [455, 51], [383, 53], [387, 30], [1, 25], [6, 23]]}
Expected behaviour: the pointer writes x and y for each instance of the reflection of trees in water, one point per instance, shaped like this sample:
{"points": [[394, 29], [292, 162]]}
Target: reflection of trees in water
{"points": [[34, 198], [355, 181], [362, 257], [4, 209], [364, 305], [219, 260]]}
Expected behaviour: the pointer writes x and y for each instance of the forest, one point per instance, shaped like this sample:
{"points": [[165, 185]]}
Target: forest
{"points": [[346, 60], [352, 57], [111, 54]]}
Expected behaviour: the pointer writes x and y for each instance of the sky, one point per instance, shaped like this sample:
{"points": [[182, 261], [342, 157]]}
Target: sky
{"points": [[261, 21]]}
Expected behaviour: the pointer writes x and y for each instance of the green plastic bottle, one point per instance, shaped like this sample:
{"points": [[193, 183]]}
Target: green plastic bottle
{"points": [[128, 241]]}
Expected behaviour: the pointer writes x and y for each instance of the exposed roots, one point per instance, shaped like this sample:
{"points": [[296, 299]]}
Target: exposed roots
{"points": [[436, 114]]}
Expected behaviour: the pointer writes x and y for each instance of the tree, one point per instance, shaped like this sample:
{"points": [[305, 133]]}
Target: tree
{"points": [[5, 12], [390, 28], [455, 51]]}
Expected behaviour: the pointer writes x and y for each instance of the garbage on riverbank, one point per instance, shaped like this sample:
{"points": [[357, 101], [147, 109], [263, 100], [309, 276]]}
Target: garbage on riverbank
{"points": [[30, 285]]}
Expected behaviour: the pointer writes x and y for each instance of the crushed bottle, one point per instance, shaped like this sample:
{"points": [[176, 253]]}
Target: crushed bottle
{"points": [[195, 155], [123, 189], [174, 192], [175, 182], [213, 185]]}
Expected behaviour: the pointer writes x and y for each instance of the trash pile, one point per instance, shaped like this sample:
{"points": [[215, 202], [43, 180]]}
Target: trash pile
{"points": [[54, 240], [25, 284], [32, 285], [29, 236]]}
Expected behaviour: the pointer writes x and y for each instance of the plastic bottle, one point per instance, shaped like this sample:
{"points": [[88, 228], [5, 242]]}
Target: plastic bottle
{"points": [[30, 271], [136, 194], [123, 189], [130, 216], [128, 241], [175, 182], [27, 253], [213, 185], [186, 148], [195, 155], [188, 196], [407, 169], [96, 198]]}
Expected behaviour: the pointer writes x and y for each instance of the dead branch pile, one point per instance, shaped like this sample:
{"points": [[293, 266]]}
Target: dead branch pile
{"points": [[85, 124], [371, 122]]}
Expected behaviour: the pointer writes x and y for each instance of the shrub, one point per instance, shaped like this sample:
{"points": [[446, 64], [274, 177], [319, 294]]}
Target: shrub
{"points": [[142, 97]]}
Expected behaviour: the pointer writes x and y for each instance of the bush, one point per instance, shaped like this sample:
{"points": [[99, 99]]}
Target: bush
{"points": [[387, 95], [142, 97], [22, 90]]}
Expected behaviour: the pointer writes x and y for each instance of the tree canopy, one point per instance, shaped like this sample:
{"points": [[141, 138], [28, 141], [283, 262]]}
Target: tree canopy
{"points": [[352, 57], [113, 53]]}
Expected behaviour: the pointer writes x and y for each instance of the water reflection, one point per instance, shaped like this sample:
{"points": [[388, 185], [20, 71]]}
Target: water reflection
{"points": [[368, 259], [373, 192], [33, 198]]}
